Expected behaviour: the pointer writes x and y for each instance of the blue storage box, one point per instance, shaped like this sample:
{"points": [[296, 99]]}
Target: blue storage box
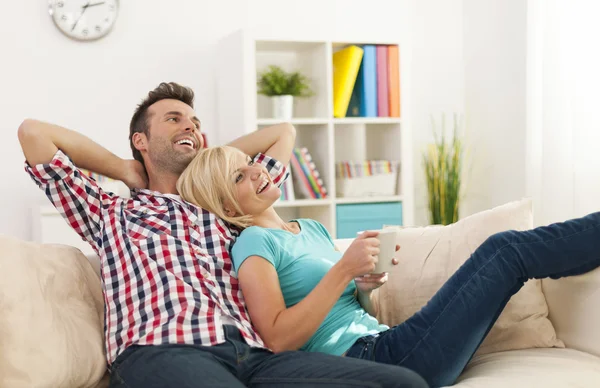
{"points": [[356, 217]]}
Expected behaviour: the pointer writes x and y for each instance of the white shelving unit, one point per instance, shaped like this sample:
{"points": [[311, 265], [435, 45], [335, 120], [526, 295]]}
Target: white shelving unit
{"points": [[241, 110]]}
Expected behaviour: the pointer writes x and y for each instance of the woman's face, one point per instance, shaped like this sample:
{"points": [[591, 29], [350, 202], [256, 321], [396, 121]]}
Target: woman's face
{"points": [[255, 189]]}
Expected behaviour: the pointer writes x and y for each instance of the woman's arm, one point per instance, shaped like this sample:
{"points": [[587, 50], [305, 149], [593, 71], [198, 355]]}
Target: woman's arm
{"points": [[364, 298], [365, 285], [289, 328]]}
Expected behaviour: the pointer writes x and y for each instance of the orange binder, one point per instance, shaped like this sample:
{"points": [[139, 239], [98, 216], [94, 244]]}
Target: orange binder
{"points": [[394, 81]]}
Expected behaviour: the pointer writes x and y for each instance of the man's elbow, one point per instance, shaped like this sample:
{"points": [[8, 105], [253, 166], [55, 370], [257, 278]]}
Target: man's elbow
{"points": [[27, 129], [291, 130], [37, 147]]}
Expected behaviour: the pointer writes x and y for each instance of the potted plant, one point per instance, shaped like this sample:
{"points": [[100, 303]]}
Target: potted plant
{"points": [[282, 87], [443, 163]]}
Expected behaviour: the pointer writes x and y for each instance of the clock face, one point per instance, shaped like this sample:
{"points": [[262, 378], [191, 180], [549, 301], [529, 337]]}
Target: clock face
{"points": [[84, 19]]}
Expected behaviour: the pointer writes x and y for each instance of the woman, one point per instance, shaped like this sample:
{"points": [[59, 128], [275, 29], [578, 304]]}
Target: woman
{"points": [[303, 294]]}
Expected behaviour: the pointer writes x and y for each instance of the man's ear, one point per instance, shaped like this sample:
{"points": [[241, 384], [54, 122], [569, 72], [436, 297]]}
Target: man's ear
{"points": [[140, 141]]}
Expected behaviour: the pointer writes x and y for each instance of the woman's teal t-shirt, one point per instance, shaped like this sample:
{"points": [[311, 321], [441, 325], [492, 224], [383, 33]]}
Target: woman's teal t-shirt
{"points": [[301, 260]]}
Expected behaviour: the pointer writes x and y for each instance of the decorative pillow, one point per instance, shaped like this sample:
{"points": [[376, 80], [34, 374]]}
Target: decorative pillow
{"points": [[51, 309], [430, 255]]}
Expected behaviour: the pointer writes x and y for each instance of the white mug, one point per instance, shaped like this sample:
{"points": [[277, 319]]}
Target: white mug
{"points": [[387, 249]]}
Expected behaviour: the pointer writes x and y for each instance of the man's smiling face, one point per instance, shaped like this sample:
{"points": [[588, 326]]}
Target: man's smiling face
{"points": [[174, 135]]}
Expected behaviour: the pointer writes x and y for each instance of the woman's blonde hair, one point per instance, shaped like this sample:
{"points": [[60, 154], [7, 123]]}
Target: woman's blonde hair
{"points": [[209, 182]]}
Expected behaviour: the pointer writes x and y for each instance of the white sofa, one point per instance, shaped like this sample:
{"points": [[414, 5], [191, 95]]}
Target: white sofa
{"points": [[574, 305], [51, 321]]}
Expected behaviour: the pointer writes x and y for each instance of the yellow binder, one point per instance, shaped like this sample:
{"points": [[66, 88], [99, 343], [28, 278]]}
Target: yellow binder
{"points": [[346, 64]]}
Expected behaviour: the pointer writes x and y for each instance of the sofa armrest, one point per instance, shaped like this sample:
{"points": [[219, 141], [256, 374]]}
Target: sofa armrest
{"points": [[574, 309]]}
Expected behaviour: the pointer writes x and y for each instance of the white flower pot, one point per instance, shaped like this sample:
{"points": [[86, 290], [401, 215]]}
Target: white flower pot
{"points": [[283, 107]]}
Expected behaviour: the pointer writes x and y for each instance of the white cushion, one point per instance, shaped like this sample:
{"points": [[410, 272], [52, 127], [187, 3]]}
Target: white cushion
{"points": [[532, 368], [51, 309], [574, 304]]}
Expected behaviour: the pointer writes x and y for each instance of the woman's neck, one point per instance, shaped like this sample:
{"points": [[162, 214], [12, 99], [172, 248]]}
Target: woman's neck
{"points": [[270, 219]]}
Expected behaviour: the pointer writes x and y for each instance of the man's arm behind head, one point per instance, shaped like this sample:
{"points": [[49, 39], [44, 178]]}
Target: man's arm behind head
{"points": [[40, 141], [36, 142]]}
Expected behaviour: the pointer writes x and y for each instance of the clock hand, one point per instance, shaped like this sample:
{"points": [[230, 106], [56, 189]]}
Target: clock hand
{"points": [[92, 5], [82, 12]]}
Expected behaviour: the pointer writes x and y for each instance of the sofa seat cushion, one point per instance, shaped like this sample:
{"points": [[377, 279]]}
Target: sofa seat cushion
{"points": [[530, 368]]}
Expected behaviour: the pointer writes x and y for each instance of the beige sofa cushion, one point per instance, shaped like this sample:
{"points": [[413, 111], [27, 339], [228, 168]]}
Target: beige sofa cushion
{"points": [[574, 305], [51, 309], [532, 368], [430, 255]]}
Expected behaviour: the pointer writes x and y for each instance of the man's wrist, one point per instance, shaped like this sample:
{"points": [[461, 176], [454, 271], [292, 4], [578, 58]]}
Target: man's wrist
{"points": [[117, 169]]}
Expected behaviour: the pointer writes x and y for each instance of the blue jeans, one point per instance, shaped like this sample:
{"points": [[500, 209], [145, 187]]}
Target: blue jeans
{"points": [[439, 340], [235, 364]]}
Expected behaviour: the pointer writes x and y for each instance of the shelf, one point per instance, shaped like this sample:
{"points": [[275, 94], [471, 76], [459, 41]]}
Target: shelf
{"points": [[303, 203], [319, 120], [392, 198], [329, 140], [266, 45], [294, 121], [367, 120]]}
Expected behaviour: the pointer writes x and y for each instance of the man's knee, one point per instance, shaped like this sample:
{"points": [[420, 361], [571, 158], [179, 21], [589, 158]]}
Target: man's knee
{"points": [[401, 377], [413, 380]]}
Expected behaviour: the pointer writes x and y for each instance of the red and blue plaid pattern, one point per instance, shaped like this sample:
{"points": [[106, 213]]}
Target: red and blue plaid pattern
{"points": [[166, 270]]}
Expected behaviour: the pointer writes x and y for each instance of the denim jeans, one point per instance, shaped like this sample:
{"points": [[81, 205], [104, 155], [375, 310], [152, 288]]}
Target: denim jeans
{"points": [[235, 364], [439, 340]]}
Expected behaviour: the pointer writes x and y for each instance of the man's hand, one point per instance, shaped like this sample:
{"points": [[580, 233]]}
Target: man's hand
{"points": [[276, 141], [134, 175]]}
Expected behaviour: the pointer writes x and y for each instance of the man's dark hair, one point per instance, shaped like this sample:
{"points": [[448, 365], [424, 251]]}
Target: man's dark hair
{"points": [[139, 121]]}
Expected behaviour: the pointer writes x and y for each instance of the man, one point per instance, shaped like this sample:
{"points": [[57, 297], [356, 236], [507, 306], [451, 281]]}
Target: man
{"points": [[174, 314]]}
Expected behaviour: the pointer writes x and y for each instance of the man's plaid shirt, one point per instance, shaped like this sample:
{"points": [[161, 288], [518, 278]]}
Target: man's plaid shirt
{"points": [[166, 271]]}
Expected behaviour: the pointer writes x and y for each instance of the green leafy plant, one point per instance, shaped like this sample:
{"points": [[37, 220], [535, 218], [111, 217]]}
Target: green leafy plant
{"points": [[443, 162], [277, 82]]}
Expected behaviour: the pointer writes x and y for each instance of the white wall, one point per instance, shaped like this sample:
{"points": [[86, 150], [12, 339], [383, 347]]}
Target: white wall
{"points": [[438, 79], [563, 100], [495, 52], [94, 87]]}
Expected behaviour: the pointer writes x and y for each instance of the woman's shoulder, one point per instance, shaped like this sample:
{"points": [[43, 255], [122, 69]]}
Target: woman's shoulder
{"points": [[309, 222], [253, 237], [253, 232]]}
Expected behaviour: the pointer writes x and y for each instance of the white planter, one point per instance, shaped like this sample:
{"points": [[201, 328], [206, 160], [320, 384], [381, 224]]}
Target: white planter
{"points": [[283, 107]]}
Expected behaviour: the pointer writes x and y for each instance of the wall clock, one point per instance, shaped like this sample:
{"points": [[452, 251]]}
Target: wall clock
{"points": [[84, 20]]}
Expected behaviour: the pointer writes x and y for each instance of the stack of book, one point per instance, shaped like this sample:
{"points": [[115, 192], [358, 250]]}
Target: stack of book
{"points": [[366, 81], [350, 169], [366, 178], [304, 177]]}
